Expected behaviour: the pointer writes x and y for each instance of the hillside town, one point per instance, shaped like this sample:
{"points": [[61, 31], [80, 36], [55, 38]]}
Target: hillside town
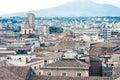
{"points": [[65, 48]]}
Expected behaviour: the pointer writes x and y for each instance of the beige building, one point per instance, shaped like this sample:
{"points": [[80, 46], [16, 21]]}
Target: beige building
{"points": [[85, 31], [88, 38], [29, 25], [31, 19], [26, 28], [66, 67], [43, 58], [45, 29], [114, 59]]}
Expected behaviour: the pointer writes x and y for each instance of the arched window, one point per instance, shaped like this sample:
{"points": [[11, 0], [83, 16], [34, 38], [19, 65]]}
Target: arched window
{"points": [[45, 62]]}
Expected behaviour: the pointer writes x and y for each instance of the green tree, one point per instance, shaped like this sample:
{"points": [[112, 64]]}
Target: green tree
{"points": [[53, 29], [17, 29]]}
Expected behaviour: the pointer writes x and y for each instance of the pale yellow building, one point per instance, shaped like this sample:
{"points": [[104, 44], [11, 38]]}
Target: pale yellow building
{"points": [[114, 59], [66, 67]]}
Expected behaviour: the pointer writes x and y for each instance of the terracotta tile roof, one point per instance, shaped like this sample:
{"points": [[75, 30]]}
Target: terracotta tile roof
{"points": [[35, 59], [10, 72], [19, 71], [13, 73], [104, 48], [5, 74], [35, 77], [53, 48], [69, 44], [4, 53], [3, 64], [47, 54], [67, 63], [106, 44], [24, 48], [66, 44]]}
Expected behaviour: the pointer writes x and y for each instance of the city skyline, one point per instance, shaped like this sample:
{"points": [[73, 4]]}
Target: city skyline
{"points": [[63, 48]]}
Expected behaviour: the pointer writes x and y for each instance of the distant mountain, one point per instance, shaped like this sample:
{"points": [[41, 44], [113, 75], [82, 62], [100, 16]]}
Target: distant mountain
{"points": [[76, 8]]}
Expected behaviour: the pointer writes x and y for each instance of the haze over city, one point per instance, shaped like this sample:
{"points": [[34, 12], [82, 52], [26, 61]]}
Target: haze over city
{"points": [[15, 6], [60, 40]]}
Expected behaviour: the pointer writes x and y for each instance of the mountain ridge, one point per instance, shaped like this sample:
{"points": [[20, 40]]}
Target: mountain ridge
{"points": [[76, 9]]}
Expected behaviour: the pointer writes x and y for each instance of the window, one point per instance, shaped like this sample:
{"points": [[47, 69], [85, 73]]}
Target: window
{"points": [[29, 49], [78, 74], [34, 67], [8, 58], [54, 60], [64, 74], [25, 32], [45, 62], [20, 59], [39, 73], [105, 73], [39, 66], [49, 73]]}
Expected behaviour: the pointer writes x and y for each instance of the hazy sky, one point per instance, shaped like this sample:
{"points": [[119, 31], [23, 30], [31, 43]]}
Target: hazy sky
{"points": [[111, 2], [13, 6]]}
